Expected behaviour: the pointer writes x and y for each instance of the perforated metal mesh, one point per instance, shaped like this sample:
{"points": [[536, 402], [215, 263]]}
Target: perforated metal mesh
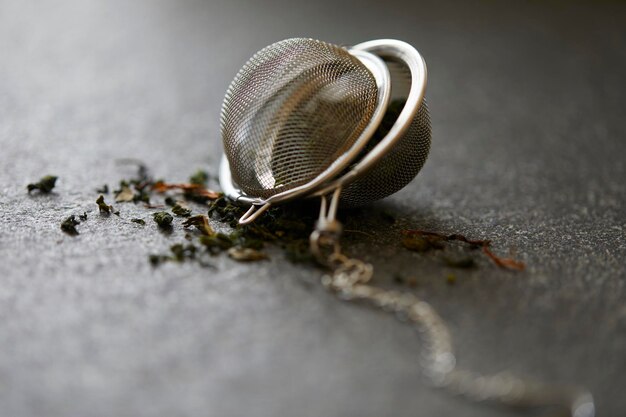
{"points": [[401, 164], [397, 168], [291, 111]]}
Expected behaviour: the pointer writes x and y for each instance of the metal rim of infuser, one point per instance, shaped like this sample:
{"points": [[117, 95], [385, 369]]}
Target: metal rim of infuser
{"points": [[372, 55]]}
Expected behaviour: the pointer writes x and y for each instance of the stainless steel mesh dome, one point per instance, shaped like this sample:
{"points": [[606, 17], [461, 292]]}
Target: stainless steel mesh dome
{"points": [[397, 167], [293, 109]]}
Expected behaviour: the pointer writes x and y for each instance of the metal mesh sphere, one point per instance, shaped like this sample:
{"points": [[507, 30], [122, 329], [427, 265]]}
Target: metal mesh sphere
{"points": [[293, 109], [395, 169]]}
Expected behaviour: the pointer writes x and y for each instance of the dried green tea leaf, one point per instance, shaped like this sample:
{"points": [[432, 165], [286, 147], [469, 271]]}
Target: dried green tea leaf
{"points": [[182, 252], [246, 254], [138, 221], [83, 216], [45, 184], [248, 237], [124, 195], [200, 178], [69, 225], [104, 207], [163, 219], [201, 222], [223, 210], [103, 190], [216, 243], [156, 260], [139, 186], [181, 210]]}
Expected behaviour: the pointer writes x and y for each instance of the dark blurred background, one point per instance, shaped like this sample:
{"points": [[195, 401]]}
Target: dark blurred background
{"points": [[527, 105]]}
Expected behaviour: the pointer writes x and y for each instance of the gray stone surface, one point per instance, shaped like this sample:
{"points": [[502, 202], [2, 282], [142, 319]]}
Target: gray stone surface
{"points": [[529, 142]]}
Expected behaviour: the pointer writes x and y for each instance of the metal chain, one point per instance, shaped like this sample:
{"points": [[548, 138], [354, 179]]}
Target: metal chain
{"points": [[350, 280]]}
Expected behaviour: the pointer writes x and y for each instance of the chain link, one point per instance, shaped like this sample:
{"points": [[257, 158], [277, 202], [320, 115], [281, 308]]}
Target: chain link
{"points": [[350, 279]]}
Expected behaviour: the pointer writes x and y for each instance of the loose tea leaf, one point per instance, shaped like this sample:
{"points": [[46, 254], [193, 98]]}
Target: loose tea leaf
{"points": [[181, 252], [157, 260], [163, 219], [194, 192], [180, 210], [138, 221], [216, 243], [103, 190], [83, 216], [200, 178], [45, 184], [223, 210], [246, 254], [421, 241], [105, 208], [139, 185], [201, 222], [124, 195], [69, 225]]}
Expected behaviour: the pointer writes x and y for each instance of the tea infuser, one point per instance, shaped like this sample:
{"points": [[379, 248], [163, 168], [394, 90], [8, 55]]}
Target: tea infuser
{"points": [[298, 121]]}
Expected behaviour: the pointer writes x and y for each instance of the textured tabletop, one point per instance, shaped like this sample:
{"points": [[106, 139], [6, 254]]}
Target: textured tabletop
{"points": [[529, 150]]}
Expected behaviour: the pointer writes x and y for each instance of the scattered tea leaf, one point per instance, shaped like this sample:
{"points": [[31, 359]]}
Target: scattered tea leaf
{"points": [[83, 216], [201, 222], [246, 254], [156, 260], [163, 219], [216, 243], [223, 210], [139, 221], [413, 236], [69, 225], [45, 184], [194, 192], [182, 252], [124, 195], [104, 207], [200, 178], [103, 190], [422, 243], [181, 210]]}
